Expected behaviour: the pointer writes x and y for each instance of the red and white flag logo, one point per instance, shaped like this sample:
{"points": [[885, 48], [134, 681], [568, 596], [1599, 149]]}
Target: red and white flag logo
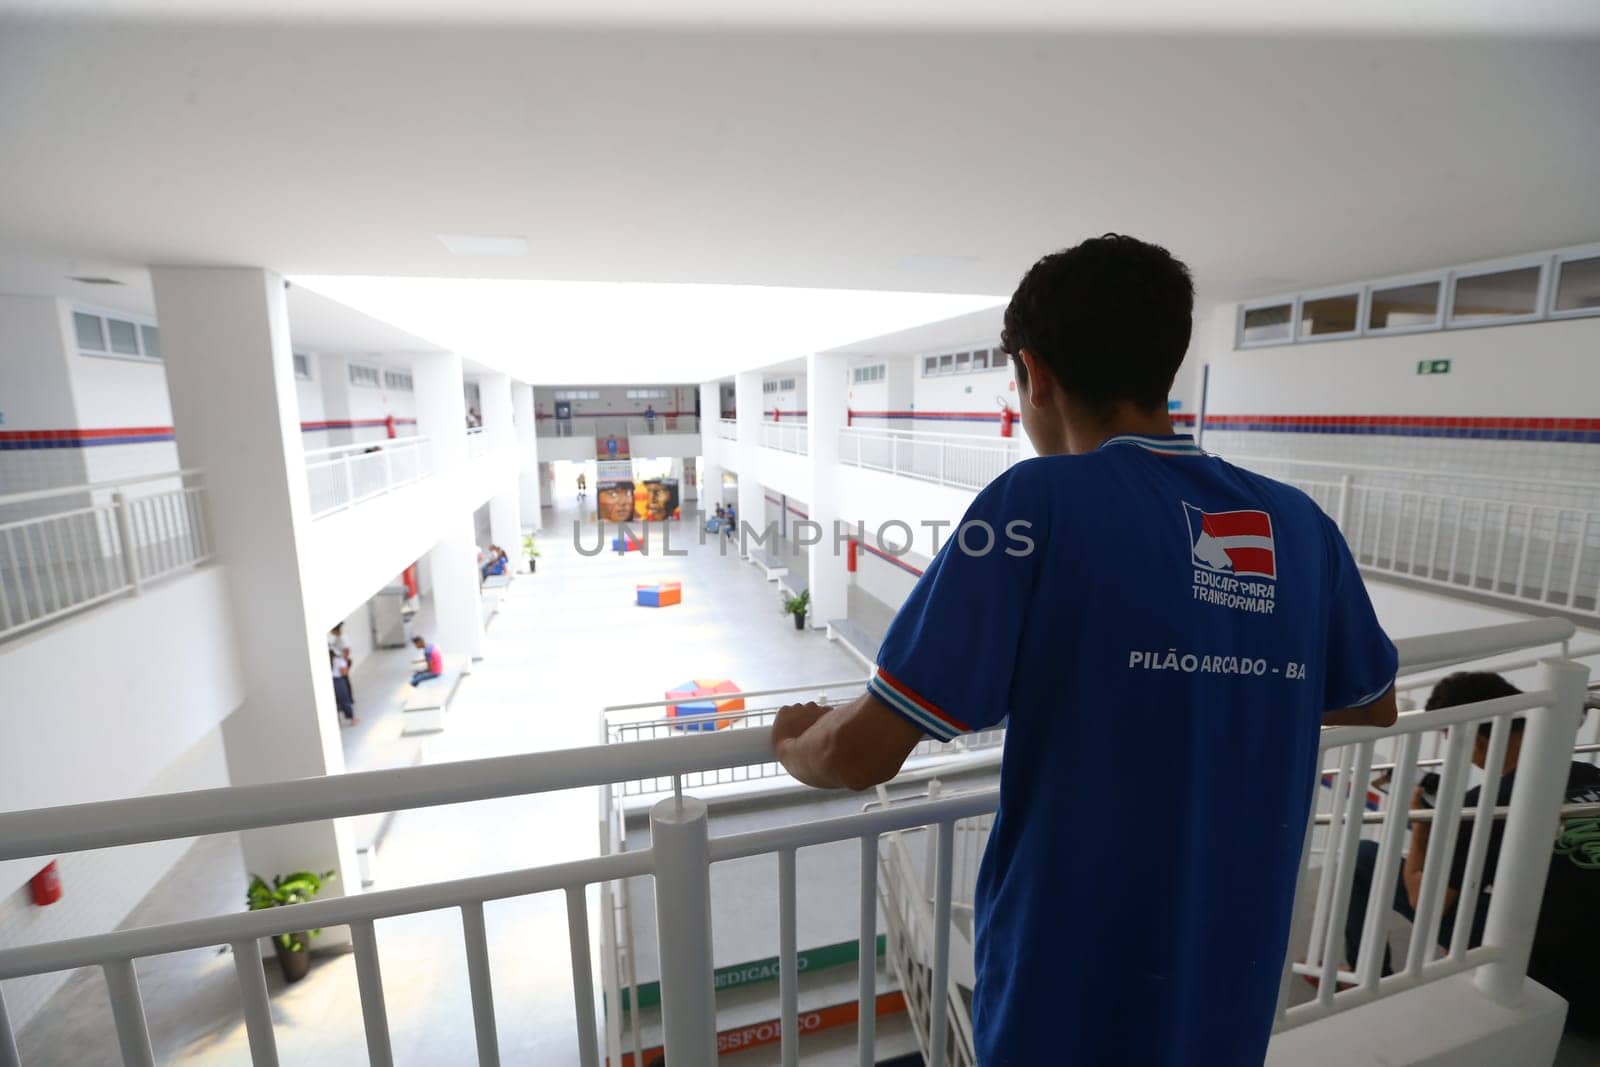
{"points": [[1232, 542]]}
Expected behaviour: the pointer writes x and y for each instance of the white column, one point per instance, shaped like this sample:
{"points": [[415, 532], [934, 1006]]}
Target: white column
{"points": [[453, 562], [709, 471], [333, 379], [528, 480], [225, 344], [499, 423], [827, 394], [747, 401]]}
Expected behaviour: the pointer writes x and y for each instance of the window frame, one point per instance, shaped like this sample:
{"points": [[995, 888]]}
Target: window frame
{"points": [[350, 375], [104, 315], [308, 376], [1541, 296], [1559, 260], [1400, 281], [1358, 291], [1269, 302]]}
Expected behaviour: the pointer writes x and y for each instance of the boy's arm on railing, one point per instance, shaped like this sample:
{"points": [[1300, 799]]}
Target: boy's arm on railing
{"points": [[1381, 712], [853, 746]]}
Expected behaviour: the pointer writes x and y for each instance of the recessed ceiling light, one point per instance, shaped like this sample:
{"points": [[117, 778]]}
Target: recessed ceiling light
{"points": [[468, 244], [94, 280]]}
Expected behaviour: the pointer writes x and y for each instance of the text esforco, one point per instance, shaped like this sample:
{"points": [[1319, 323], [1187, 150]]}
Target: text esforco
{"points": [[1195, 663]]}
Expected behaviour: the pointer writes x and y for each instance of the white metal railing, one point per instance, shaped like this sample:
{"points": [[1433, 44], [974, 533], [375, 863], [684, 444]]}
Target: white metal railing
{"points": [[965, 461], [681, 854], [1538, 555], [64, 550], [786, 436], [728, 429], [628, 723], [620, 425], [345, 475]]}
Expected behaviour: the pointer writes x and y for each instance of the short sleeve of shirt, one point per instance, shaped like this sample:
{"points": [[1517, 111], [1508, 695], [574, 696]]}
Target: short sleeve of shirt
{"points": [[1361, 659], [947, 661]]}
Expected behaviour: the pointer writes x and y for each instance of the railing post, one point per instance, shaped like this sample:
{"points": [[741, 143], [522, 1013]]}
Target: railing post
{"points": [[130, 554], [679, 842], [1344, 502], [1547, 742]]}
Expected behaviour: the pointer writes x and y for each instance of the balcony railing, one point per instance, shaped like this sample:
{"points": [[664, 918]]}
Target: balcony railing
{"points": [[620, 425], [681, 854], [1512, 545], [477, 441], [64, 550], [786, 436], [959, 460], [348, 474], [728, 429]]}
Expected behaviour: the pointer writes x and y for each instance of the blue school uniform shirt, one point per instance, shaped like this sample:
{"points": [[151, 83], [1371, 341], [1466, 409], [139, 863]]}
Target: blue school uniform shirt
{"points": [[1163, 632]]}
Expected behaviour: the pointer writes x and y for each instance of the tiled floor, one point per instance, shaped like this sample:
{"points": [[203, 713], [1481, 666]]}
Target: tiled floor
{"points": [[566, 641]]}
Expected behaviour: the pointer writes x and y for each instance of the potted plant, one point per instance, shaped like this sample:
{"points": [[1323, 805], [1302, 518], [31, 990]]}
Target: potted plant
{"points": [[798, 606], [531, 550], [294, 952]]}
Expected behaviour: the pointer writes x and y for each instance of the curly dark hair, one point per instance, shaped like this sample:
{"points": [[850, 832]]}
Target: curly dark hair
{"points": [[1111, 317], [1470, 687]]}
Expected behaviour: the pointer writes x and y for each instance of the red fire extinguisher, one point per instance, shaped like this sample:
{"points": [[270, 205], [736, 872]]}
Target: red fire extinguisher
{"points": [[46, 885], [1007, 417]]}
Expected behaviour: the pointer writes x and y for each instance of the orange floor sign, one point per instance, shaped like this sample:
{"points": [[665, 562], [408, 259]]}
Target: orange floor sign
{"points": [[770, 1032]]}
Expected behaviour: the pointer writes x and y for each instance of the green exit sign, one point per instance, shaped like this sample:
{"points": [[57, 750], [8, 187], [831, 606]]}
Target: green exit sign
{"points": [[1433, 366]]}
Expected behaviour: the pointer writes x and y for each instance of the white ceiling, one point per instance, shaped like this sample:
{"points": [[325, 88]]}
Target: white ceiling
{"points": [[847, 156]]}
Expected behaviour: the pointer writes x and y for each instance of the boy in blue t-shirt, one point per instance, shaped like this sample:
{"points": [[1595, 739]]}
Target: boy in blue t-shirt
{"points": [[1165, 635]]}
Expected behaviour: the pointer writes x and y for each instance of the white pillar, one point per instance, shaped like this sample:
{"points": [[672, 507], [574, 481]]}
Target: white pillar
{"points": [[827, 395], [333, 380], [528, 480], [225, 344], [683, 922], [499, 423], [708, 473], [453, 562], [747, 400]]}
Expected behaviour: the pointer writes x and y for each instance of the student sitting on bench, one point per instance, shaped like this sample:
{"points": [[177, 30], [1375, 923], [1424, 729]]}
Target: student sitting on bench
{"points": [[433, 661]]}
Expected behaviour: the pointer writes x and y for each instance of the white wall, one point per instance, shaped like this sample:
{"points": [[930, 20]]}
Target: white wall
{"points": [[1541, 370], [110, 392], [787, 401], [35, 394], [785, 472], [124, 700]]}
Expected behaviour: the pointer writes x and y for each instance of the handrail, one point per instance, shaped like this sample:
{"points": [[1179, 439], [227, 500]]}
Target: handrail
{"points": [[316, 455], [883, 433], [847, 683], [90, 487], [1378, 468], [101, 824], [1434, 650]]}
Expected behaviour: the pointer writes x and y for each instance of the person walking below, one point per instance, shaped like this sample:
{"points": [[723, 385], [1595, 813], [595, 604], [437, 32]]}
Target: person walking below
{"points": [[343, 698], [1136, 611]]}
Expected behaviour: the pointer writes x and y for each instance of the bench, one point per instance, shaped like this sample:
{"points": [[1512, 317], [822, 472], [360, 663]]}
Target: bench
{"points": [[423, 711], [856, 640], [497, 581]]}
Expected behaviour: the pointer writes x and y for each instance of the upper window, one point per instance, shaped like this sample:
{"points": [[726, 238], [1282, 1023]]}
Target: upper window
{"points": [[112, 335], [1268, 324], [91, 331], [1336, 315], [1495, 295], [302, 366], [1578, 285], [930, 365], [872, 373], [399, 380], [997, 358], [1408, 306], [362, 375], [982, 359]]}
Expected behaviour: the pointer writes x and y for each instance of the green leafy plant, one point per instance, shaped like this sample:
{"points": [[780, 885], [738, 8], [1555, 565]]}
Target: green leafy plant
{"points": [[529, 548], [287, 889], [797, 605]]}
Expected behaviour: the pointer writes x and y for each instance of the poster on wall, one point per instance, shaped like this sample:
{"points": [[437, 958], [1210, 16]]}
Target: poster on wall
{"points": [[611, 446], [656, 500], [614, 490]]}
